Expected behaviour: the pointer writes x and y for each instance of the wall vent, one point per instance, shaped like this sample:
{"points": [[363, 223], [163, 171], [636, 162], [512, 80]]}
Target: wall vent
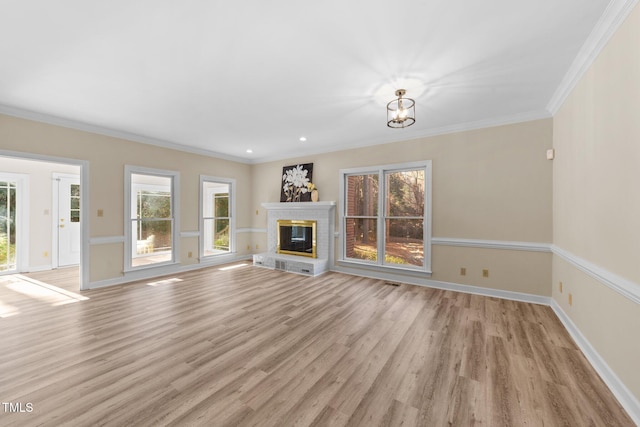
{"points": [[281, 265]]}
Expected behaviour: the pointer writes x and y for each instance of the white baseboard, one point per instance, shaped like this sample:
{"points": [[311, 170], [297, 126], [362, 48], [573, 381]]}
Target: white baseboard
{"points": [[449, 286], [39, 268], [163, 271], [617, 387]]}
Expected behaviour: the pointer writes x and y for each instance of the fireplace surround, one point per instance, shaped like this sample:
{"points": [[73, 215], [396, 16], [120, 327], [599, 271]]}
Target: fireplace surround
{"points": [[296, 237], [323, 214]]}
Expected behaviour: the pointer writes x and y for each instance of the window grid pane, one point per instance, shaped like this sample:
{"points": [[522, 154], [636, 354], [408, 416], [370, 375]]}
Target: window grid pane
{"points": [[405, 193], [216, 218], [362, 195], [404, 242], [362, 239]]}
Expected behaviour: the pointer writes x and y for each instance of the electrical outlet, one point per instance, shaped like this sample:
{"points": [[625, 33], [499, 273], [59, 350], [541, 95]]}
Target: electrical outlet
{"points": [[570, 299], [248, 247], [485, 273], [100, 212], [257, 212], [190, 254], [45, 254], [257, 246], [463, 271], [560, 286]]}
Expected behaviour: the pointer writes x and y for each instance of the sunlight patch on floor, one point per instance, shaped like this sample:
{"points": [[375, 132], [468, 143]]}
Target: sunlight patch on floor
{"points": [[7, 310], [165, 282], [231, 267], [41, 291]]}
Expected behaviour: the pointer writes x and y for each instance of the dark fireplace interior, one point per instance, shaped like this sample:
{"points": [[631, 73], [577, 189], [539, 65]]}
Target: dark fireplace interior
{"points": [[297, 237]]}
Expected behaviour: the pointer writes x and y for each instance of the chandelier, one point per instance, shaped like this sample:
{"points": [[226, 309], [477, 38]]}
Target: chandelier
{"points": [[401, 112]]}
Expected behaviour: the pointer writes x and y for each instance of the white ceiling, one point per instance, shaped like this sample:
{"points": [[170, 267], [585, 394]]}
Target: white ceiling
{"points": [[224, 77]]}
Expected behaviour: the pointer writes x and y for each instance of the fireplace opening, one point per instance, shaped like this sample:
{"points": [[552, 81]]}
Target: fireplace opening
{"points": [[297, 237]]}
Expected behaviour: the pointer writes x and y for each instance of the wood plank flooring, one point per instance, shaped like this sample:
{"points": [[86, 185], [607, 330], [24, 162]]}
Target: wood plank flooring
{"points": [[254, 347]]}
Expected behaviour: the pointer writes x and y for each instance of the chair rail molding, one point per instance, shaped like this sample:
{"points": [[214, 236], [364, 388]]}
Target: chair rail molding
{"points": [[623, 286], [492, 244]]}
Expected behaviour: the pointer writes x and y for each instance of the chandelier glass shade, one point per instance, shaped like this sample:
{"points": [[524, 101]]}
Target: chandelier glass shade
{"points": [[401, 112]]}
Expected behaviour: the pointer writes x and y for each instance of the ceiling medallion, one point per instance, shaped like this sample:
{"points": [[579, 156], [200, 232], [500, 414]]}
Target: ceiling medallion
{"points": [[401, 112]]}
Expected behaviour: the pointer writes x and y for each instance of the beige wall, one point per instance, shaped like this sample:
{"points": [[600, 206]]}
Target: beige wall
{"points": [[489, 184], [107, 157], [597, 202]]}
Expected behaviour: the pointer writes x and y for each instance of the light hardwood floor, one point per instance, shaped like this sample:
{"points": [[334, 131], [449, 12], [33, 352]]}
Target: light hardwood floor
{"points": [[249, 346]]}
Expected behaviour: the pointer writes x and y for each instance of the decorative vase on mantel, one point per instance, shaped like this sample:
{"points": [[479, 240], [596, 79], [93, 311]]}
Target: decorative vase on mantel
{"points": [[314, 195]]}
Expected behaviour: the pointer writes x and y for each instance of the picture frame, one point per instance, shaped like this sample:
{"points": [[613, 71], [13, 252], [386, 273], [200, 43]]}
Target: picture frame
{"points": [[294, 185]]}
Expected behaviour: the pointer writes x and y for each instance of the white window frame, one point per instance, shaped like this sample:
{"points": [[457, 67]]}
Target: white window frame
{"points": [[130, 170], [382, 192], [204, 198]]}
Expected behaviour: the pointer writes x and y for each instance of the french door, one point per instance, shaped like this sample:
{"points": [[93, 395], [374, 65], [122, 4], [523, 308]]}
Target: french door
{"points": [[68, 228]]}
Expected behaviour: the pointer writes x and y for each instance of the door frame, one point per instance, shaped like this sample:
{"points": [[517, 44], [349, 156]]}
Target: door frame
{"points": [[85, 246], [22, 219], [55, 206]]}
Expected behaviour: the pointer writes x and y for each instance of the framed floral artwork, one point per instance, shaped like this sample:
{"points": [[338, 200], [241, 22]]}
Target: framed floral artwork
{"points": [[295, 183]]}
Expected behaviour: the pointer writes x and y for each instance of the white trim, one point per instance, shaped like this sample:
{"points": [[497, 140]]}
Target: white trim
{"points": [[617, 387], [624, 287], [607, 25], [101, 130], [449, 286], [106, 240], [492, 244], [189, 234], [162, 271], [40, 268]]}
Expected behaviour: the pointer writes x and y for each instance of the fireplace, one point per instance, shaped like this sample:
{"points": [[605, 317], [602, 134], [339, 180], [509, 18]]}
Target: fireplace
{"points": [[300, 237], [296, 237]]}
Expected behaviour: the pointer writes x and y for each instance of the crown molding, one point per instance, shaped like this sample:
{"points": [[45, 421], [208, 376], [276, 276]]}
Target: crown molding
{"points": [[100, 130], [408, 135], [609, 22]]}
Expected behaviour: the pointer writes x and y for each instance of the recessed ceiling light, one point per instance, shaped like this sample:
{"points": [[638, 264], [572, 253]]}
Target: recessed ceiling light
{"points": [[249, 150], [303, 139]]}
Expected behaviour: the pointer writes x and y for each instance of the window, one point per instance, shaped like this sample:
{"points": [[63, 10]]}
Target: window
{"points": [[74, 209], [217, 216], [387, 215], [151, 208]]}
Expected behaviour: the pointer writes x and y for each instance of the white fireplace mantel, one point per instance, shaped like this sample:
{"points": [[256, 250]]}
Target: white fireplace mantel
{"points": [[299, 205], [321, 212]]}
